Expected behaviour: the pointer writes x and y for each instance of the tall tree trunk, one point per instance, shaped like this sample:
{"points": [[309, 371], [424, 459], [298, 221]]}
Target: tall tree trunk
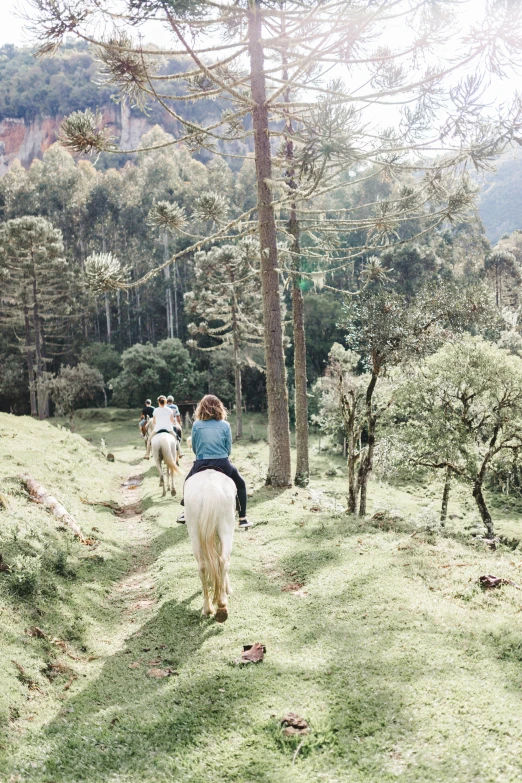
{"points": [[107, 300], [366, 465], [129, 331], [478, 484], [30, 363], [118, 305], [168, 287], [483, 509], [175, 287], [43, 402], [348, 403], [138, 308], [279, 468], [302, 470], [352, 478], [446, 496], [239, 397], [108, 315], [352, 462]]}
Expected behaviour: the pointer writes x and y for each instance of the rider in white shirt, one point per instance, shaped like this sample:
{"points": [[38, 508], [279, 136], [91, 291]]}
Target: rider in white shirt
{"points": [[163, 420]]}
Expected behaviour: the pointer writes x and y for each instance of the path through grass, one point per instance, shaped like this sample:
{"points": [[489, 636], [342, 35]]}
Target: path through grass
{"points": [[381, 639]]}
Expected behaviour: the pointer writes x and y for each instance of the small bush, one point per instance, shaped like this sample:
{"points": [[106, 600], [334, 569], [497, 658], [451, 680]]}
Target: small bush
{"points": [[58, 562], [24, 575]]}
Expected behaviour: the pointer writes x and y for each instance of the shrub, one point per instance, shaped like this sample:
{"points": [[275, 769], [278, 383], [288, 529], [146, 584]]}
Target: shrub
{"points": [[24, 575]]}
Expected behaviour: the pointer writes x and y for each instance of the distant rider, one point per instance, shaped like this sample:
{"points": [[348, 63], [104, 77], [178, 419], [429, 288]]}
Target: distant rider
{"points": [[163, 420], [147, 412], [177, 416], [212, 444]]}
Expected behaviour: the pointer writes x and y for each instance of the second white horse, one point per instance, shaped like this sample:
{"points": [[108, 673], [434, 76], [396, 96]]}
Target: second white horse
{"points": [[210, 501]]}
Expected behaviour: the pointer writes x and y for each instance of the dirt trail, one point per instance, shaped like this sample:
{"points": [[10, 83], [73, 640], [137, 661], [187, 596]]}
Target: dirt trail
{"points": [[137, 588]]}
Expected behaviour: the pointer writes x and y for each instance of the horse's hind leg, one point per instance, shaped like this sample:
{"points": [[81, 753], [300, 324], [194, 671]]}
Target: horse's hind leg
{"points": [[225, 589], [159, 463], [207, 607]]}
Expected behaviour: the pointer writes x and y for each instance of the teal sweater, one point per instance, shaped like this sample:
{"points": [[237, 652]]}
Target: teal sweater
{"points": [[211, 439]]}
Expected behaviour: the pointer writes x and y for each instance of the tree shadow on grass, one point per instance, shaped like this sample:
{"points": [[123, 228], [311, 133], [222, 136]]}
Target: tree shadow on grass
{"points": [[127, 712]]}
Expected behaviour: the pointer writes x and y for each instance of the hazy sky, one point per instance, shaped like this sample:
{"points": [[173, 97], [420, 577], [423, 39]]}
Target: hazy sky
{"points": [[11, 26], [12, 31]]}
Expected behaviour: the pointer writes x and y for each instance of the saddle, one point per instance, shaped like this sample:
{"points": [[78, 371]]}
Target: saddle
{"points": [[212, 467], [208, 467], [167, 431]]}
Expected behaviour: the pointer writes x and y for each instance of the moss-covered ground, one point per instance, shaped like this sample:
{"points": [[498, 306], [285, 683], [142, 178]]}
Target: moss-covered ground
{"points": [[376, 631]]}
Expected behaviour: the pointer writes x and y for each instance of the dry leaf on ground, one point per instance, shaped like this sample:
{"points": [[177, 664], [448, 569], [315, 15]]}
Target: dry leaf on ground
{"points": [[35, 631], [294, 725], [69, 683], [253, 653], [489, 581], [158, 673]]}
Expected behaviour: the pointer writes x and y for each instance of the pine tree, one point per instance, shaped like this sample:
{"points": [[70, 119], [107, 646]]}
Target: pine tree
{"points": [[36, 295], [273, 66], [226, 303]]}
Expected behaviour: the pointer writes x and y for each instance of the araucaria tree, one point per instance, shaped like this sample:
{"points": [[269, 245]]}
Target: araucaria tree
{"points": [[271, 60], [463, 409], [226, 303], [36, 295]]}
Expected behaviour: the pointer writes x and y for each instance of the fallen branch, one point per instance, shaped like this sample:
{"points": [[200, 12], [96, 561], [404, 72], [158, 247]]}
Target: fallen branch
{"points": [[40, 495]]}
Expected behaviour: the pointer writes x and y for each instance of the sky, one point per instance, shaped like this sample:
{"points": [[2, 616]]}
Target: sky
{"points": [[12, 31], [11, 27]]}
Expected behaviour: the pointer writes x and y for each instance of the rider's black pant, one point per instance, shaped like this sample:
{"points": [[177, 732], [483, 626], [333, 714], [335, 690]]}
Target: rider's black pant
{"points": [[229, 470]]}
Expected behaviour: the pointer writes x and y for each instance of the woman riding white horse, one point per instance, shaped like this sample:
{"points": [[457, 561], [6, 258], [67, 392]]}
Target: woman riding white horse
{"points": [[164, 443], [212, 443], [210, 498]]}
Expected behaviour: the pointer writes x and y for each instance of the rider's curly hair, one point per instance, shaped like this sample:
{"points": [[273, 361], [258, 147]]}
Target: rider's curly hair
{"points": [[210, 407]]}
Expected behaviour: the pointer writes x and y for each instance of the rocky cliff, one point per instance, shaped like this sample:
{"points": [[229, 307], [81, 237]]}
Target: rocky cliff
{"points": [[22, 140]]}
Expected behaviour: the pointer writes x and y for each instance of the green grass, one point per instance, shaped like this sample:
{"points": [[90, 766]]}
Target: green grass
{"points": [[403, 667]]}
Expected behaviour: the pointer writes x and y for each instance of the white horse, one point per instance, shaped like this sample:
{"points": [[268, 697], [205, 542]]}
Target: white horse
{"points": [[164, 449], [210, 502]]}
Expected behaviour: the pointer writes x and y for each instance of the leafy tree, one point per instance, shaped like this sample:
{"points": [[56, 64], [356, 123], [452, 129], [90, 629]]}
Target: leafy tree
{"points": [[387, 329], [36, 293], [226, 302], [181, 379], [342, 408], [140, 377], [149, 371], [464, 409], [13, 380], [413, 266], [72, 387], [102, 357]]}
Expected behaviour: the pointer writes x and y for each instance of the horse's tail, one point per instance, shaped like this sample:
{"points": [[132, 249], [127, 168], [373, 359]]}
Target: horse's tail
{"points": [[170, 460], [209, 543]]}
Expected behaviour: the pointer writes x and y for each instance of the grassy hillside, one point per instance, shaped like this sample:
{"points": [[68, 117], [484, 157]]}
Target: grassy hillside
{"points": [[376, 632]]}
